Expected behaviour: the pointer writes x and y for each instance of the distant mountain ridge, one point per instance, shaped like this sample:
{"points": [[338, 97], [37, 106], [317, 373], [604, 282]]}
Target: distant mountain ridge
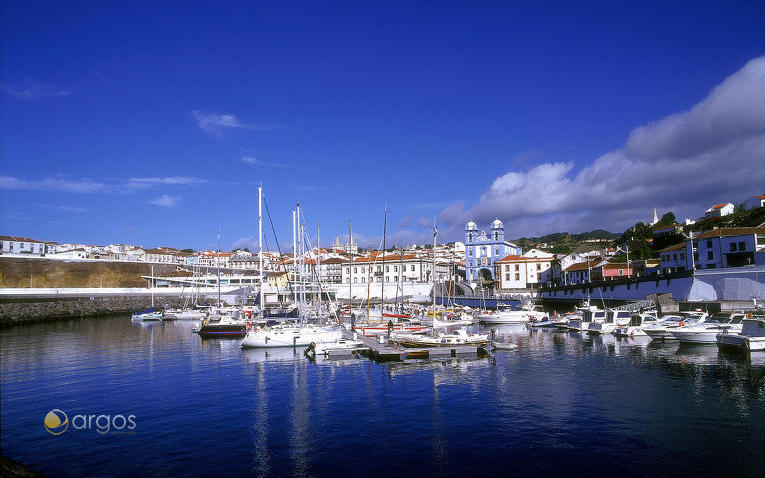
{"points": [[559, 237]]}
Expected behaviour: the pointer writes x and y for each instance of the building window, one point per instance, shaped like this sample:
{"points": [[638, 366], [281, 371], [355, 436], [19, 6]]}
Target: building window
{"points": [[709, 244], [539, 267], [710, 255], [517, 267], [517, 276], [387, 268], [696, 256], [347, 270], [682, 256], [379, 268], [741, 245], [507, 276], [470, 237], [733, 247], [363, 279], [674, 257], [496, 236], [412, 268], [355, 270]]}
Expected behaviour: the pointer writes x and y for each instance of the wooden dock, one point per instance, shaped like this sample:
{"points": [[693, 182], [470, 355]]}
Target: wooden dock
{"points": [[386, 352]]}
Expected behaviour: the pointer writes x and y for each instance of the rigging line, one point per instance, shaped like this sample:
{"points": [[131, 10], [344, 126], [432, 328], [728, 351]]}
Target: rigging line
{"points": [[307, 240], [278, 247]]}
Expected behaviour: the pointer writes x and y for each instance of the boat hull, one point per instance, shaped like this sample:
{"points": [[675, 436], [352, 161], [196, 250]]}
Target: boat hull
{"points": [[289, 337]]}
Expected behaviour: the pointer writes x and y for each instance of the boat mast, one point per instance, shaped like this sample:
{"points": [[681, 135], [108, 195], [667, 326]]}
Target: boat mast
{"points": [[295, 295], [152, 286], [433, 274], [318, 261], [218, 262], [382, 280], [260, 247], [350, 265]]}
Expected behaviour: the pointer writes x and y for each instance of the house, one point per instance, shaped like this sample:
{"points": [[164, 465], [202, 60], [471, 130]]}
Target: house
{"points": [[23, 245], [580, 272], [614, 270], [726, 247], [408, 268], [674, 259], [521, 272], [754, 202], [719, 210]]}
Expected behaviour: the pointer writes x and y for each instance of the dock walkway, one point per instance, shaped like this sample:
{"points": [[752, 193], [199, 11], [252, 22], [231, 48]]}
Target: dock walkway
{"points": [[385, 352]]}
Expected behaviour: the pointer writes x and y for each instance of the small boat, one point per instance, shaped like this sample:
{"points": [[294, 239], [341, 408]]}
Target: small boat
{"points": [[372, 329], [750, 339], [458, 337], [638, 321], [291, 335], [706, 332], [183, 314], [338, 347], [222, 323], [588, 316], [503, 315], [147, 315], [613, 319], [662, 329]]}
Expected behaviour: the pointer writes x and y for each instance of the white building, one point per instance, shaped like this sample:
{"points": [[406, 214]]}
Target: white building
{"points": [[719, 210], [754, 202], [22, 245], [521, 272], [409, 268]]}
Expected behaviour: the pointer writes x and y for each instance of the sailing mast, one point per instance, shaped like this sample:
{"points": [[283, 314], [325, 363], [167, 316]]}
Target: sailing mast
{"points": [[295, 295], [382, 279], [350, 265], [260, 247], [433, 275], [318, 261], [218, 262]]}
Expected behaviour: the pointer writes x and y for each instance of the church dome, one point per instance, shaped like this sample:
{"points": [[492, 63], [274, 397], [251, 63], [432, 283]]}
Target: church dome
{"points": [[497, 224], [471, 226]]}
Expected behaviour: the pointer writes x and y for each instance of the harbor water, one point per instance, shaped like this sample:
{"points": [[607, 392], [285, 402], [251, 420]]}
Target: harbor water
{"points": [[567, 404]]}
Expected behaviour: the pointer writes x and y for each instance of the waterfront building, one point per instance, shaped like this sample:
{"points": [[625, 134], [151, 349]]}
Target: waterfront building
{"points": [[673, 259], [521, 272], [483, 250], [719, 210], [410, 268], [22, 245], [330, 270], [727, 247], [580, 272]]}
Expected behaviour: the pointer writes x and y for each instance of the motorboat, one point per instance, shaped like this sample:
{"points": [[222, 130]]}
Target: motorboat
{"points": [[750, 339], [341, 346], [183, 314], [614, 318], [458, 337], [588, 316], [706, 332], [638, 321], [147, 315], [503, 315], [662, 329], [291, 335]]}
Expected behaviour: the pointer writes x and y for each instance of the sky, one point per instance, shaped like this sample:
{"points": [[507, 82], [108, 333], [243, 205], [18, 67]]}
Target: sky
{"points": [[153, 123]]}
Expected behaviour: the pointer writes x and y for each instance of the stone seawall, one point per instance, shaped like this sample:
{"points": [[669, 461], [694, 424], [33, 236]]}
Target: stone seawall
{"points": [[15, 311]]}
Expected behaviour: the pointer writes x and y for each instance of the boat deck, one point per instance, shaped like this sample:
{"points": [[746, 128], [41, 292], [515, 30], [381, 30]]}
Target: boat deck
{"points": [[386, 352]]}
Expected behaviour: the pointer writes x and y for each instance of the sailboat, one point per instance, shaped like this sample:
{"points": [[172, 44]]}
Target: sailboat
{"points": [[456, 337], [222, 321], [149, 314], [289, 334]]}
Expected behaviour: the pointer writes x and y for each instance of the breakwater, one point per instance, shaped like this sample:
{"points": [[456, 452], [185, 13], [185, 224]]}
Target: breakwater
{"points": [[19, 310]]}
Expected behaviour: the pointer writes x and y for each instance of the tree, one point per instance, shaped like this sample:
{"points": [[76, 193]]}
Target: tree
{"points": [[667, 219]]}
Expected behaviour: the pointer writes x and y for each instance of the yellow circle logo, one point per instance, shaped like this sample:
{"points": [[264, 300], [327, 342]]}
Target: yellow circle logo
{"points": [[56, 422]]}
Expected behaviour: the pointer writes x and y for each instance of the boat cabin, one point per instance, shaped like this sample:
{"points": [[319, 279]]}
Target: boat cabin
{"points": [[593, 315]]}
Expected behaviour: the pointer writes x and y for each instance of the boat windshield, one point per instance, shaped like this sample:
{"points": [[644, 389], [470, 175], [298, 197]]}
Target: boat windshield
{"points": [[718, 319]]}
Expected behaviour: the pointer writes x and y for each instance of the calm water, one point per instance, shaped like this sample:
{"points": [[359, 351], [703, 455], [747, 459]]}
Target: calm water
{"points": [[561, 403]]}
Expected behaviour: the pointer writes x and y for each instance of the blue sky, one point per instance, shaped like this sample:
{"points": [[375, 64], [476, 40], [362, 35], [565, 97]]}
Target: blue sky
{"points": [[153, 122]]}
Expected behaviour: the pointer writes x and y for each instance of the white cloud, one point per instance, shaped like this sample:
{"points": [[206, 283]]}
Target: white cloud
{"points": [[165, 200], [28, 90], [168, 180], [713, 152], [82, 186], [247, 242], [264, 164], [216, 123], [64, 208]]}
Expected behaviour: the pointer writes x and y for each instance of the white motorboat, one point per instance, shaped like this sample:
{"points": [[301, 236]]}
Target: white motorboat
{"points": [[147, 315], [528, 313], [662, 329], [750, 339], [638, 321], [291, 335], [613, 319], [590, 315], [706, 332], [338, 347], [183, 314], [458, 337]]}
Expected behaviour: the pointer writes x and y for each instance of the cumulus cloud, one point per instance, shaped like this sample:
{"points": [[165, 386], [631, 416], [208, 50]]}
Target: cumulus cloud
{"points": [[29, 90], [141, 183], [710, 153], [165, 200]]}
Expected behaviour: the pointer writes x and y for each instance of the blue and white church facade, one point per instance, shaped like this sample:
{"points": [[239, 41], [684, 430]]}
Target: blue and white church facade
{"points": [[483, 250]]}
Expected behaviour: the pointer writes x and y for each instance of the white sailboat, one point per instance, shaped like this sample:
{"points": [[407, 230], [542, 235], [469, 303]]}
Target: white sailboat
{"points": [[149, 314], [289, 334]]}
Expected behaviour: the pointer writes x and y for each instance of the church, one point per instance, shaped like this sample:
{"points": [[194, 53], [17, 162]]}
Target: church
{"points": [[483, 250]]}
